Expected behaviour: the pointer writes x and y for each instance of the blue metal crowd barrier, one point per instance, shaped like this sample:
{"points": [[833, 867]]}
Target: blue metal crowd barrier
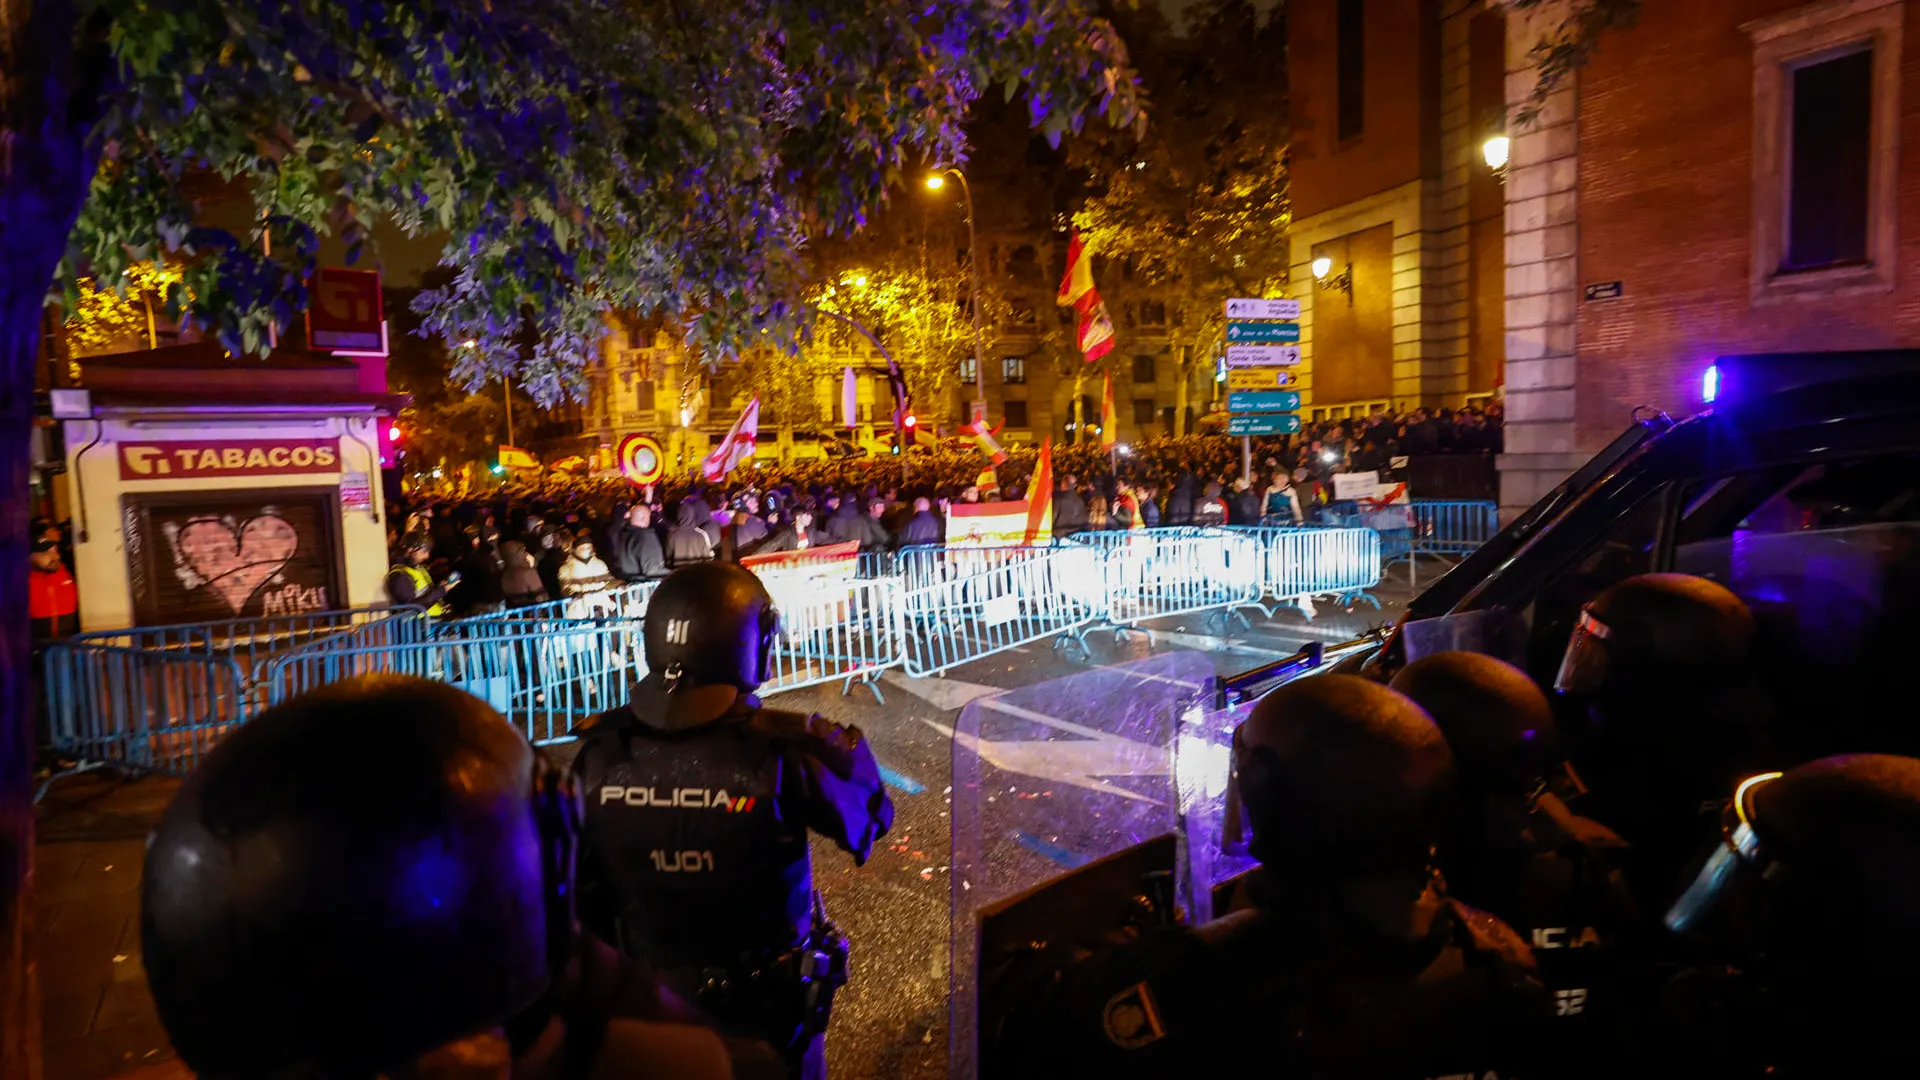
{"points": [[623, 602], [544, 675], [249, 642], [1154, 573], [1297, 564], [145, 709], [958, 605], [834, 633], [1422, 527]]}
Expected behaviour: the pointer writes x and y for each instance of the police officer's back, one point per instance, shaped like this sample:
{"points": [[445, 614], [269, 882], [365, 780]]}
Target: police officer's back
{"points": [[376, 877], [699, 801], [1343, 956], [1520, 853]]}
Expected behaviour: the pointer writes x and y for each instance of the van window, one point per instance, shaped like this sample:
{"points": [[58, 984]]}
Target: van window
{"points": [[1827, 556]]}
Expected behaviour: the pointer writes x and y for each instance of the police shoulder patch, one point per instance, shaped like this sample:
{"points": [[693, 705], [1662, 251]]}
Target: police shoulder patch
{"points": [[1132, 1019]]}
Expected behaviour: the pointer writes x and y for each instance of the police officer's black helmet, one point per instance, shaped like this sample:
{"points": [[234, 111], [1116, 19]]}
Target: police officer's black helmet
{"points": [[1343, 777], [712, 624], [1658, 634], [1833, 846], [1497, 721], [353, 878]]}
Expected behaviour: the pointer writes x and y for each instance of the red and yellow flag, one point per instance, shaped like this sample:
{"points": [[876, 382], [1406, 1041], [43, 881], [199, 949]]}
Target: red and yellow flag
{"points": [[1077, 291], [1040, 496], [1109, 430]]}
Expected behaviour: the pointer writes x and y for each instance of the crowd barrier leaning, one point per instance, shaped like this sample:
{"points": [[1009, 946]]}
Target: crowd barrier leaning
{"points": [[154, 698], [157, 697]]}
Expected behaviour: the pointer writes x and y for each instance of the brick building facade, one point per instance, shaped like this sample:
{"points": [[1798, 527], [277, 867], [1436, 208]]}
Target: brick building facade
{"points": [[1739, 168]]}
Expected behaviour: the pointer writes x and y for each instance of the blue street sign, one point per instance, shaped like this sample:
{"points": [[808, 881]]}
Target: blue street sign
{"points": [[1263, 401], [1238, 332], [1264, 424]]}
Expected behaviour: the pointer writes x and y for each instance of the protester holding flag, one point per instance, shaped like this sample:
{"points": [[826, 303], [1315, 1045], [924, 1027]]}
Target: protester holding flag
{"points": [[1094, 326]]}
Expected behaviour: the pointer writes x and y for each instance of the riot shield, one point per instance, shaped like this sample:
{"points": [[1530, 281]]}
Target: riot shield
{"points": [[1051, 778]]}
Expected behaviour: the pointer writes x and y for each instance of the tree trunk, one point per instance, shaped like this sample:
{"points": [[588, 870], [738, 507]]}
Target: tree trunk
{"points": [[1180, 391], [49, 103]]}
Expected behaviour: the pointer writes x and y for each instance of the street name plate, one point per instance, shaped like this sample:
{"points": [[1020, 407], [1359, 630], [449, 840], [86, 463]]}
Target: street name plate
{"points": [[1262, 355], [1259, 378], [1287, 332], [1263, 401], [1263, 309], [1264, 424]]}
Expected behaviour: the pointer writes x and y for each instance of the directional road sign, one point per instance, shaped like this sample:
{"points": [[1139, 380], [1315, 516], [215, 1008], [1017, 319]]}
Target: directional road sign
{"points": [[1258, 378], [1262, 355], [1263, 424], [1262, 332], [1263, 401], [1263, 309]]}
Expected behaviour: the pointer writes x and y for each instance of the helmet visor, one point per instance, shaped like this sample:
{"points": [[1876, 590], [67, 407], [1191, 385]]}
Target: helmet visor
{"points": [[1584, 667], [1739, 844]]}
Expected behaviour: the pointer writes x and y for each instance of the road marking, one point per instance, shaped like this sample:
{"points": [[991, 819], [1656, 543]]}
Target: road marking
{"points": [[1081, 762], [900, 780], [943, 694], [1049, 850]]}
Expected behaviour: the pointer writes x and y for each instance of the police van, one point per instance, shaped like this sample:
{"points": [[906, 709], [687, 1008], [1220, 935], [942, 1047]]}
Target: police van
{"points": [[1798, 489]]}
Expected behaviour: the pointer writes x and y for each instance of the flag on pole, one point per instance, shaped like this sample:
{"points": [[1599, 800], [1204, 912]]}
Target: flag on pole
{"points": [[850, 398], [1040, 496], [988, 444], [1108, 433], [1095, 327], [736, 447]]}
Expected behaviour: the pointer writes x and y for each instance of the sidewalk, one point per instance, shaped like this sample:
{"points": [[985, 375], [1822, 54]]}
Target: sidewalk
{"points": [[96, 1018]]}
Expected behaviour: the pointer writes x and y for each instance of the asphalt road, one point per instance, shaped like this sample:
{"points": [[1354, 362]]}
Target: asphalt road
{"points": [[891, 1020]]}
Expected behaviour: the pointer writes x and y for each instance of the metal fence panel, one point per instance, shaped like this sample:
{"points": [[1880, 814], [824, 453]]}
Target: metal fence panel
{"points": [[544, 675], [142, 708], [829, 634], [1318, 561], [624, 602], [1153, 573], [958, 605], [1453, 528]]}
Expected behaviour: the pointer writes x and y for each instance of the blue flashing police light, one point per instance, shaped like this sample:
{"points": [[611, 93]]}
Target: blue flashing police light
{"points": [[1710, 384]]}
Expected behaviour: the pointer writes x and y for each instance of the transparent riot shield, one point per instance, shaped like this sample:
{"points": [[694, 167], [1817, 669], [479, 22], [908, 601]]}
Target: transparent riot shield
{"points": [[1082, 774]]}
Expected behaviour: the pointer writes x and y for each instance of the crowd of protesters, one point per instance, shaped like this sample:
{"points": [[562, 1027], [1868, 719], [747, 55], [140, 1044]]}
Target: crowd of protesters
{"points": [[559, 537]]}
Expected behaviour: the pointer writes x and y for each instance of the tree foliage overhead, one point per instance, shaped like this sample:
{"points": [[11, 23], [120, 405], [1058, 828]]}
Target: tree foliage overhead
{"points": [[1200, 206], [581, 156], [1568, 43]]}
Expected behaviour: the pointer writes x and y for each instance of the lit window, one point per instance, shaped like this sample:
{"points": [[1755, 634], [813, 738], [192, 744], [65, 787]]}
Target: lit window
{"points": [[1013, 370], [1825, 163], [969, 371]]}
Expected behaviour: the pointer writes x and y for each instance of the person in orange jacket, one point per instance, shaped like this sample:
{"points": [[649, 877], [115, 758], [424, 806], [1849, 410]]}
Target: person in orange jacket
{"points": [[53, 603]]}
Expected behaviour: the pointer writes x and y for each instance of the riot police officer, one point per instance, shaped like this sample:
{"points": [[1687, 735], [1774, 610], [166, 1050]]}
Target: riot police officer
{"points": [[375, 877], [1522, 854], [698, 804], [1344, 957], [1808, 902], [1671, 714]]}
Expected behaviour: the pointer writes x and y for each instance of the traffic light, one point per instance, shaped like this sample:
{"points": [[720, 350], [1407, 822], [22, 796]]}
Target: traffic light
{"points": [[394, 434]]}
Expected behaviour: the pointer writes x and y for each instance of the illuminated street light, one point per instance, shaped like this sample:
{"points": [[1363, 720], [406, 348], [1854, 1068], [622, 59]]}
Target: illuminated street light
{"points": [[1322, 266], [470, 343], [859, 281], [935, 182], [1495, 150]]}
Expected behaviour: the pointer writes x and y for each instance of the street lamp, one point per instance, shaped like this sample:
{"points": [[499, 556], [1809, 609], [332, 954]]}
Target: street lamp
{"points": [[936, 181]]}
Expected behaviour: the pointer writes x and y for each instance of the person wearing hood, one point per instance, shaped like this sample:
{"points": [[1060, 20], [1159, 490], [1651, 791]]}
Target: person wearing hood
{"points": [[688, 542], [1212, 509], [520, 580], [584, 573]]}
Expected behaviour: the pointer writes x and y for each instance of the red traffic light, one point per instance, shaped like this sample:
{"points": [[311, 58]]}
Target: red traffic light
{"points": [[912, 420], [394, 433]]}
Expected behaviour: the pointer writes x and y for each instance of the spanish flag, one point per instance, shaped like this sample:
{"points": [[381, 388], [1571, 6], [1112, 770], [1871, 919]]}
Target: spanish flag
{"points": [[1077, 291], [1109, 433], [1040, 497]]}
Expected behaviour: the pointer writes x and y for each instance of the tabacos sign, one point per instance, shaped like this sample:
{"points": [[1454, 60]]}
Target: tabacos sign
{"points": [[227, 457]]}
